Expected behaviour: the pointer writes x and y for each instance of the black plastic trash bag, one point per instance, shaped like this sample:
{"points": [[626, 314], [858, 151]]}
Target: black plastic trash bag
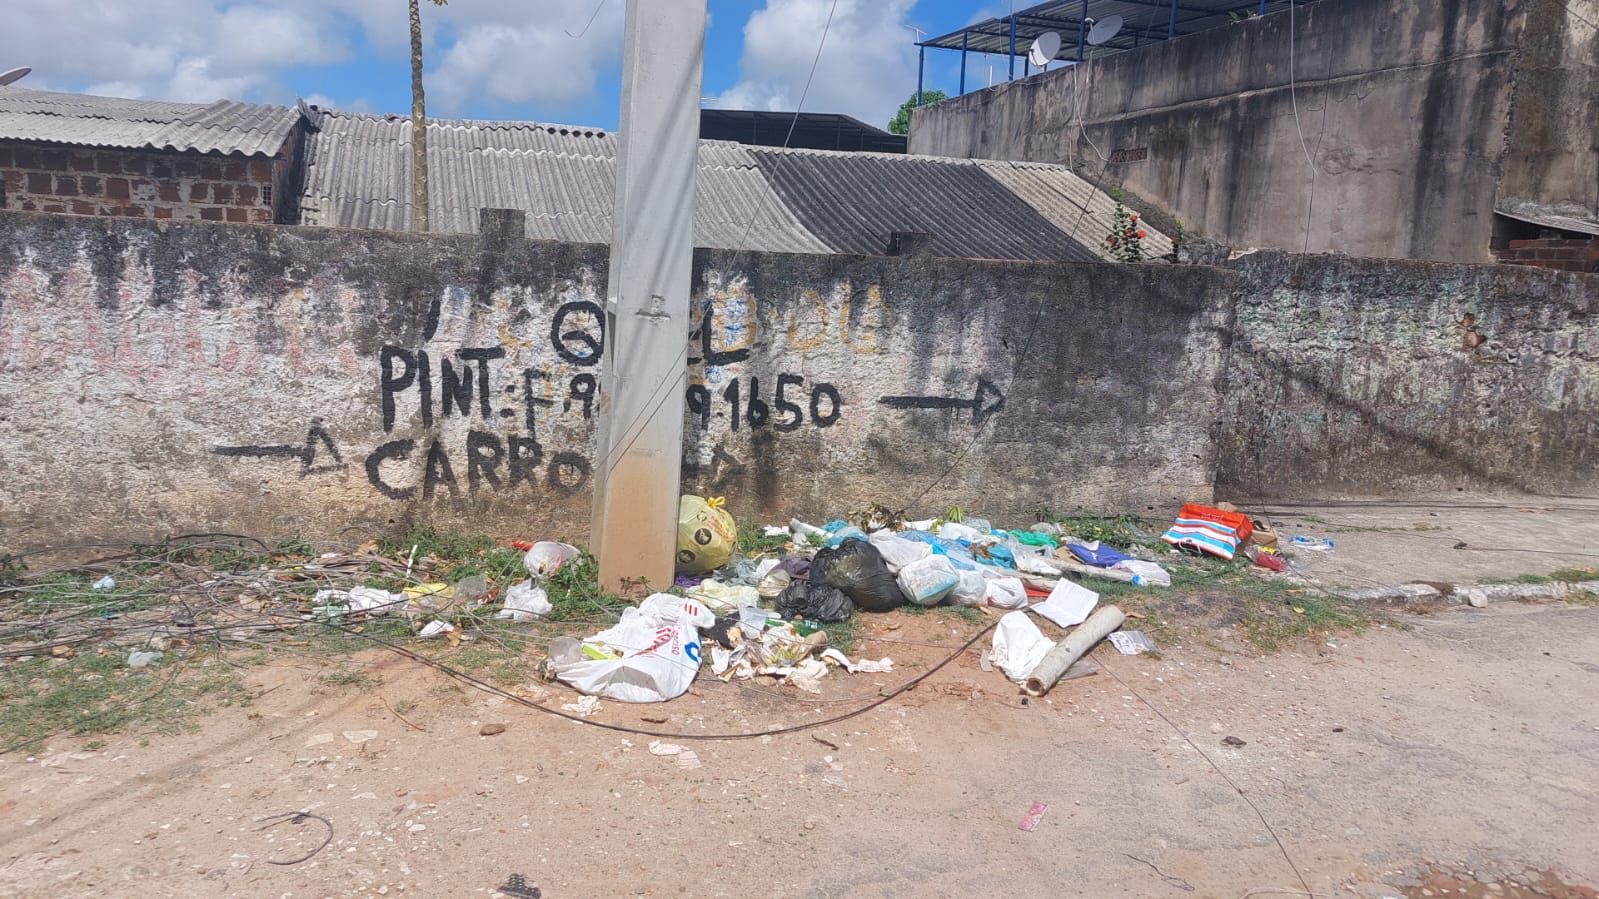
{"points": [[858, 569], [817, 601]]}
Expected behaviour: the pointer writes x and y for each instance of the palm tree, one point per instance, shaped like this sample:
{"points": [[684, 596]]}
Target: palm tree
{"points": [[419, 124]]}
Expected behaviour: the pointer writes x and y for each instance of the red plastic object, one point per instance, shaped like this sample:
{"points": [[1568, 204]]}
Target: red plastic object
{"points": [[523, 545], [1034, 814]]}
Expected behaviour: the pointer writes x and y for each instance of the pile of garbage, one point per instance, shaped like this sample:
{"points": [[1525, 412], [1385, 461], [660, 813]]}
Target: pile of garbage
{"points": [[765, 615]]}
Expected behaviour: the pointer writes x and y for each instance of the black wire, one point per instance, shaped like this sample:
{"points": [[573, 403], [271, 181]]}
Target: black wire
{"points": [[298, 818]]}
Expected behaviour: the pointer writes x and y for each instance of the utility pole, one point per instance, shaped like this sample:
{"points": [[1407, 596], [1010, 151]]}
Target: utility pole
{"points": [[639, 446]]}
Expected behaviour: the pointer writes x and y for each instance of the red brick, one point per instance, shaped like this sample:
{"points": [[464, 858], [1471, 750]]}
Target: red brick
{"points": [[210, 170], [238, 215], [66, 186], [261, 216], [211, 214], [188, 168], [198, 192], [244, 195], [260, 170], [82, 207], [233, 171], [5, 157], [53, 160], [39, 183], [25, 158], [106, 164], [90, 185], [161, 168], [29, 206], [83, 162], [12, 181], [133, 211], [222, 194], [167, 190], [134, 164], [54, 207], [116, 188], [162, 212]]}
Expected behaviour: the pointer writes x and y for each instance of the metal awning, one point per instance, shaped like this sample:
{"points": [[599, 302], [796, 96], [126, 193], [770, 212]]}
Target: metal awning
{"points": [[1144, 21]]}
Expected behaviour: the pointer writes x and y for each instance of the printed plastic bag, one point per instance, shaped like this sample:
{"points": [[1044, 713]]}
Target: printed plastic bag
{"points": [[1209, 530], [651, 655], [899, 552], [1145, 574], [525, 602], [706, 535], [546, 556], [1018, 646], [856, 568], [927, 581]]}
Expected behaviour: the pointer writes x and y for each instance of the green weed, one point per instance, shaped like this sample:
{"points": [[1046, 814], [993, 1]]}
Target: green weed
{"points": [[351, 677], [96, 693]]}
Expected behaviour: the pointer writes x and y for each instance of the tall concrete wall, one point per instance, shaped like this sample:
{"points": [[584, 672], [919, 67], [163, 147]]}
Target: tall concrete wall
{"points": [[1370, 377], [275, 381], [1404, 108]]}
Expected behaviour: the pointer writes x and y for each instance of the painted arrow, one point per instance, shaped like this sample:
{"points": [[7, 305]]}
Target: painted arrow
{"points": [[984, 403]]}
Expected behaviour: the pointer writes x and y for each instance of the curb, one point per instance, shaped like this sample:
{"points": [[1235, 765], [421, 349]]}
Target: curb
{"points": [[1477, 595]]}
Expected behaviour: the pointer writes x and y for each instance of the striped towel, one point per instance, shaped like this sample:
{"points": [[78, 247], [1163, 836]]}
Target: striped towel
{"points": [[1208, 530]]}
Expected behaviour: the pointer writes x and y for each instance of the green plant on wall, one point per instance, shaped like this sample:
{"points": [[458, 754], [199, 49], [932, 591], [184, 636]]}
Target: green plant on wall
{"points": [[1126, 238]]}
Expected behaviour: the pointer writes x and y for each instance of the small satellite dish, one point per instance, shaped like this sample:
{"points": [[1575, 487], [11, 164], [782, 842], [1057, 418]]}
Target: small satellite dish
{"points": [[1104, 30], [1045, 46], [16, 74]]}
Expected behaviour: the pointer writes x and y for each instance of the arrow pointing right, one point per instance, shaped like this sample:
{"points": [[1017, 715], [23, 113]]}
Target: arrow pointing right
{"points": [[985, 402]]}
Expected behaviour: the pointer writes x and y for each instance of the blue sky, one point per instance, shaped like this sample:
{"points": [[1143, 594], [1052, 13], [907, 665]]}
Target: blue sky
{"points": [[497, 59]]}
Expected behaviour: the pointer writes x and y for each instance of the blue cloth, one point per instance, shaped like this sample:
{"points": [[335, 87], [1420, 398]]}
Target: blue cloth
{"points": [[1098, 554]]}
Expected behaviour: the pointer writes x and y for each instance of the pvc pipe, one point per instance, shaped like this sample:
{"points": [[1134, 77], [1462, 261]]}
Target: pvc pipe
{"points": [[1075, 646]]}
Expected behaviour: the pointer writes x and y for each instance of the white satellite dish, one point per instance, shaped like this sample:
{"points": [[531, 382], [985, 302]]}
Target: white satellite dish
{"points": [[1045, 46], [16, 74], [1104, 29]]}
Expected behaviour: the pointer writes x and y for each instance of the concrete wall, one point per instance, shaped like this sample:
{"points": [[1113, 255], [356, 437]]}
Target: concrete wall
{"points": [[1405, 108], [1369, 377], [163, 378], [144, 184], [1552, 158]]}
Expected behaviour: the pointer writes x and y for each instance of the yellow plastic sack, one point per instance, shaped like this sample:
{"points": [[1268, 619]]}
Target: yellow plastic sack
{"points": [[706, 535]]}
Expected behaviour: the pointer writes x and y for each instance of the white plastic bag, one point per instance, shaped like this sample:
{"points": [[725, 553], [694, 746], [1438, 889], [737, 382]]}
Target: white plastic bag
{"points": [[720, 597], [546, 556], [1006, 593], [927, 581], [954, 530], [971, 589], [899, 552], [361, 599], [654, 649], [1068, 604], [1145, 574], [1019, 646], [525, 602]]}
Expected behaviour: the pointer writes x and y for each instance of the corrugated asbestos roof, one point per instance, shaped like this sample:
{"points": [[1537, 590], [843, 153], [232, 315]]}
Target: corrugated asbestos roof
{"points": [[226, 126], [809, 201]]}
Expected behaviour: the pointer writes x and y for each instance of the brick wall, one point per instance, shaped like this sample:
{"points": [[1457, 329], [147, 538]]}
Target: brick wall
{"points": [[143, 184], [1556, 253]]}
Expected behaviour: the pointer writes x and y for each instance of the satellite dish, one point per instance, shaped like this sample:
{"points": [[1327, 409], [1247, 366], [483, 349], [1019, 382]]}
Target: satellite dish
{"points": [[1104, 29], [16, 74], [1045, 46]]}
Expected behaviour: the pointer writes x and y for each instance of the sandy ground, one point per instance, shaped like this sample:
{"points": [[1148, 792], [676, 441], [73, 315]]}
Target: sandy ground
{"points": [[1468, 740], [1381, 542]]}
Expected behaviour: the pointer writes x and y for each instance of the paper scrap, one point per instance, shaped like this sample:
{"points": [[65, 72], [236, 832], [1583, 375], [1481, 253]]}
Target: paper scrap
{"points": [[1068, 604]]}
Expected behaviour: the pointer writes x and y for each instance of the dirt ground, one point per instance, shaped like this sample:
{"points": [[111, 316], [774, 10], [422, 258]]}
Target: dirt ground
{"points": [[1433, 756]]}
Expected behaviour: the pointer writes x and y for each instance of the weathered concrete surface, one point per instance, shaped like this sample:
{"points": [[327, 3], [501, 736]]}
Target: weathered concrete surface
{"points": [[1354, 376], [283, 381], [1404, 107]]}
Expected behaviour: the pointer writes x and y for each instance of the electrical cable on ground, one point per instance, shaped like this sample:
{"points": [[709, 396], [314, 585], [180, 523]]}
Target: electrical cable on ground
{"points": [[299, 817], [1215, 767]]}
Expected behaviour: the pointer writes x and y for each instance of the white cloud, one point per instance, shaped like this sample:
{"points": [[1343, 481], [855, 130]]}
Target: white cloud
{"points": [[867, 67], [201, 50]]}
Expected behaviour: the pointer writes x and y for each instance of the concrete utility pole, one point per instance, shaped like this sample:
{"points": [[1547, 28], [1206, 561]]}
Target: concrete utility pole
{"points": [[639, 447]]}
